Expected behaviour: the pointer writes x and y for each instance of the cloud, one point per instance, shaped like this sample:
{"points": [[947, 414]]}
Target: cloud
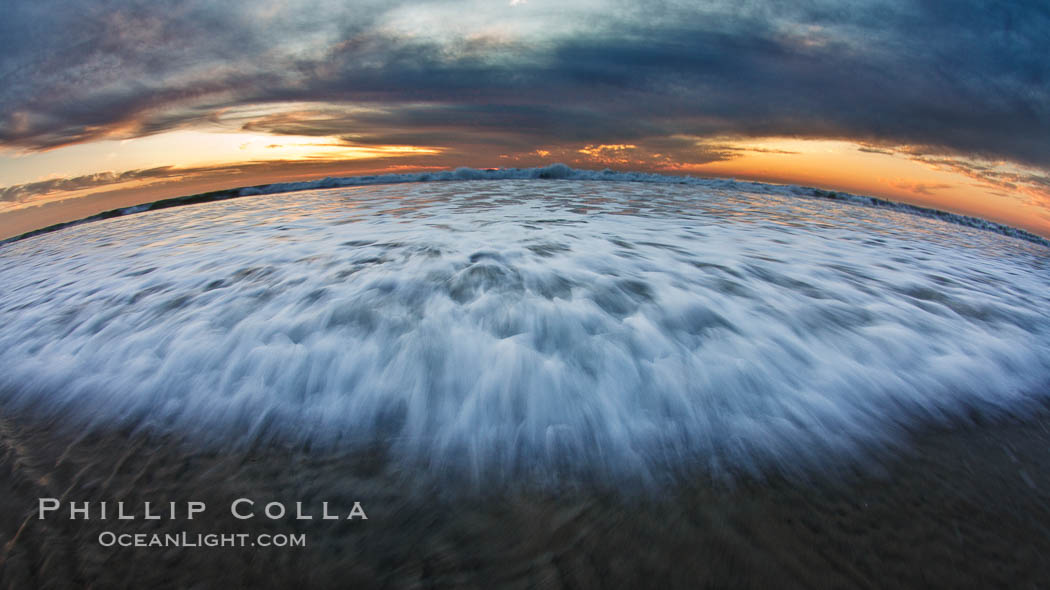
{"points": [[21, 193], [220, 176], [959, 78], [1015, 180], [875, 150], [921, 187]]}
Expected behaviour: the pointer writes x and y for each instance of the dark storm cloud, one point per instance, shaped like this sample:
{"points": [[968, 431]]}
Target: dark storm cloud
{"points": [[955, 77]]}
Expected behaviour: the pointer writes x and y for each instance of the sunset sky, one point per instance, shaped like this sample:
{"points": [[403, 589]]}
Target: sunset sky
{"points": [[113, 103]]}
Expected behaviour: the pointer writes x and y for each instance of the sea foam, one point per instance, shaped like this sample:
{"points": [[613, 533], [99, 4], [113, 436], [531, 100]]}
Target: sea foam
{"points": [[516, 330]]}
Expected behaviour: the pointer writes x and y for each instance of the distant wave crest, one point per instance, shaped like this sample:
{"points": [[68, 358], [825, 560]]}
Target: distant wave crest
{"points": [[554, 172]]}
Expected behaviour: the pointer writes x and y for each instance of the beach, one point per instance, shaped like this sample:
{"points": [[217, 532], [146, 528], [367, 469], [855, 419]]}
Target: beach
{"points": [[957, 507]]}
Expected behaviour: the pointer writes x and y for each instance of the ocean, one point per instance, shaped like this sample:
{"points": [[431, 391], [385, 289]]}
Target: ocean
{"points": [[530, 331]]}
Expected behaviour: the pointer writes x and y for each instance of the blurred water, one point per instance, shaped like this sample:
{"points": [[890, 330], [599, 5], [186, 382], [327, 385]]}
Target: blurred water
{"points": [[528, 329]]}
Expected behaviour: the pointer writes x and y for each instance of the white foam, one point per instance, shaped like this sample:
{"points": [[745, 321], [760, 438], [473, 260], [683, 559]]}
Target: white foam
{"points": [[517, 329]]}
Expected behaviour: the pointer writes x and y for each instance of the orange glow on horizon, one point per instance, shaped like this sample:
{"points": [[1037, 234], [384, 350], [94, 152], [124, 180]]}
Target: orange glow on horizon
{"points": [[189, 162], [840, 165]]}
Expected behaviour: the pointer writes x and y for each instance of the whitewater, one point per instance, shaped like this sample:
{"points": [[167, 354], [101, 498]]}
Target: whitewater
{"points": [[533, 329]]}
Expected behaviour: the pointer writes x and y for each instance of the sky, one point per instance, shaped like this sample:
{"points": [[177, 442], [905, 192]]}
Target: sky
{"points": [[110, 103]]}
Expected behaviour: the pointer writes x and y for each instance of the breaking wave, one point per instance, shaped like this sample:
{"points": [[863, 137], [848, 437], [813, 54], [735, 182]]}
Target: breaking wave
{"points": [[512, 329]]}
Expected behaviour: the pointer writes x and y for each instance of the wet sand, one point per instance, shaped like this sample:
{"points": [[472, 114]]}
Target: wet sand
{"points": [[964, 507]]}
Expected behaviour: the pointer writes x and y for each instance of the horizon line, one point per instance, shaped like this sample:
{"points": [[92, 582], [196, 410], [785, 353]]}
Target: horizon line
{"points": [[554, 171]]}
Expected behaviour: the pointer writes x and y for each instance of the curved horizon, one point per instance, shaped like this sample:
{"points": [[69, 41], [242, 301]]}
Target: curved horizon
{"points": [[553, 171]]}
